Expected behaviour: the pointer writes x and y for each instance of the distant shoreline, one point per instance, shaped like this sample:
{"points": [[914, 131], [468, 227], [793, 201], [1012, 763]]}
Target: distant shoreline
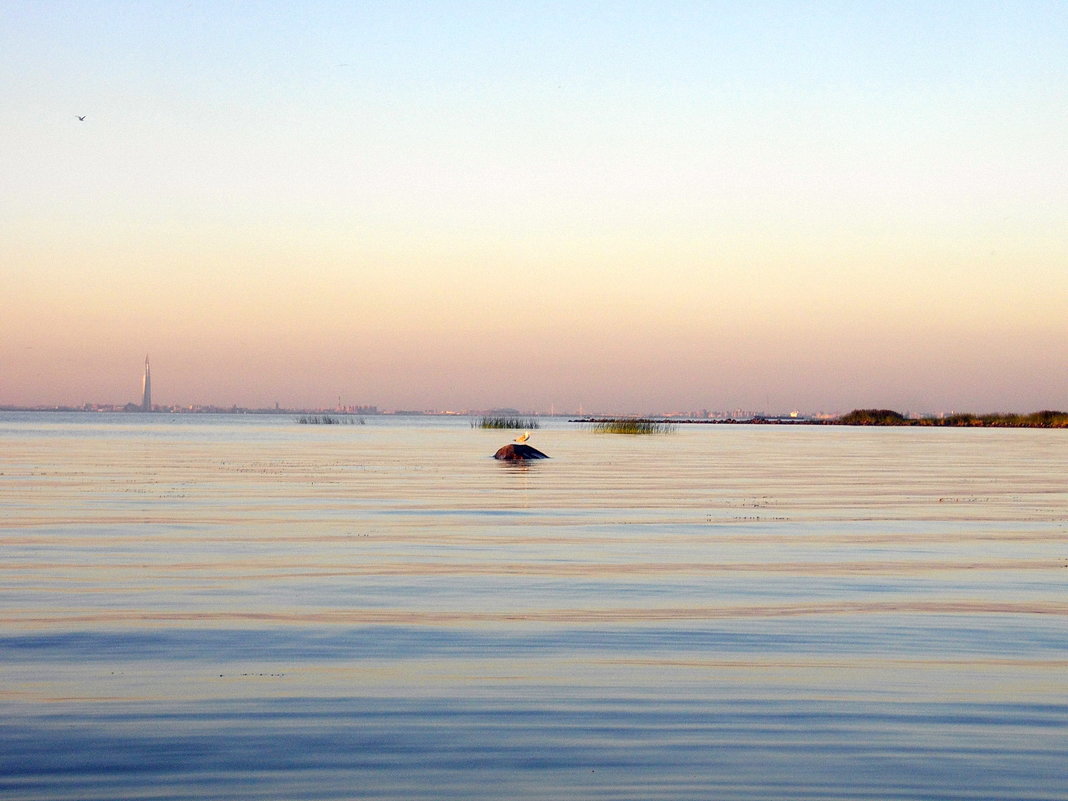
{"points": [[857, 417], [873, 417]]}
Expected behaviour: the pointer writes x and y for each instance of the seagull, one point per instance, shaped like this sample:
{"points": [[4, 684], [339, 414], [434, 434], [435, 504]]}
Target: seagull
{"points": [[80, 117], [522, 437]]}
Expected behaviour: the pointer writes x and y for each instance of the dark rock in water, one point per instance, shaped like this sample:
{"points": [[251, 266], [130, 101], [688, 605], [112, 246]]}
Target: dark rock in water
{"points": [[517, 452]]}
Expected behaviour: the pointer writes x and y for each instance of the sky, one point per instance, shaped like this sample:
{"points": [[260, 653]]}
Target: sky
{"points": [[628, 207]]}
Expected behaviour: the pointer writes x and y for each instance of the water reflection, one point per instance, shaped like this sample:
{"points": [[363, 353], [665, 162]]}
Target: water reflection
{"points": [[256, 609]]}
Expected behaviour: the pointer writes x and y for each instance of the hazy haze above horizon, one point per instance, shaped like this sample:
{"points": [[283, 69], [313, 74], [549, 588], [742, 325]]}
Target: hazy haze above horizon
{"points": [[623, 206]]}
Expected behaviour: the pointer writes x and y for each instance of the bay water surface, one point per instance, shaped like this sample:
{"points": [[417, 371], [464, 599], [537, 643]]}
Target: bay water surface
{"points": [[243, 607]]}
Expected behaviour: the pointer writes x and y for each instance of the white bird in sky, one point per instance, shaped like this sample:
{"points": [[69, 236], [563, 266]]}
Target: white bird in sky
{"points": [[523, 437]]}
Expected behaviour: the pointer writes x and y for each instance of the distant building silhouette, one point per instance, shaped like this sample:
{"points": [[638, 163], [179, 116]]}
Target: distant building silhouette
{"points": [[146, 389]]}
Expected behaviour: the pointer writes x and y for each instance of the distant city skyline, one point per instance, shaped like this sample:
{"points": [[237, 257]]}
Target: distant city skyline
{"points": [[616, 207], [365, 408]]}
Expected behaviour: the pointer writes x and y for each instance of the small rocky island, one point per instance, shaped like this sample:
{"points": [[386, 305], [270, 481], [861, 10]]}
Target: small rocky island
{"points": [[518, 452]]}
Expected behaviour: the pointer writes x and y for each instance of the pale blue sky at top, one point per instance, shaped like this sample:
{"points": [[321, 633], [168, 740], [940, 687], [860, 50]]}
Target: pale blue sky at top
{"points": [[625, 206]]}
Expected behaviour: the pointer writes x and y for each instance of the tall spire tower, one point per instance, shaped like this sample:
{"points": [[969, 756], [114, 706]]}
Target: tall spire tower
{"points": [[146, 389]]}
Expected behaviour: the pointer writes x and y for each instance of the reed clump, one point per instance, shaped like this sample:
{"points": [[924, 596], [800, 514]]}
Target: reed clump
{"points": [[632, 425], [1043, 419], [874, 417], [887, 417], [329, 420], [518, 423]]}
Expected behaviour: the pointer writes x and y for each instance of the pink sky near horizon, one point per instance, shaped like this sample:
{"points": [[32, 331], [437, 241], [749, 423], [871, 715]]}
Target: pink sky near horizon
{"points": [[498, 206]]}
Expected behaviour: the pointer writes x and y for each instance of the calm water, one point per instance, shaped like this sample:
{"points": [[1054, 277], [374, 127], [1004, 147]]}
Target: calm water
{"points": [[244, 607]]}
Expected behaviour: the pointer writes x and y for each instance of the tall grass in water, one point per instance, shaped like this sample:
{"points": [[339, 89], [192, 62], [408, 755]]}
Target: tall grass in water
{"points": [[632, 425], [328, 420], [524, 423]]}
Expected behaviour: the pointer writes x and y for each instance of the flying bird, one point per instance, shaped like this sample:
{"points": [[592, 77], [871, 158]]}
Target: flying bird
{"points": [[523, 437], [80, 117]]}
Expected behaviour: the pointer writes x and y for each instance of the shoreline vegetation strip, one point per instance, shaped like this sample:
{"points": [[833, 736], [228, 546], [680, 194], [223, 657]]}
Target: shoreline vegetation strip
{"points": [[862, 417]]}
